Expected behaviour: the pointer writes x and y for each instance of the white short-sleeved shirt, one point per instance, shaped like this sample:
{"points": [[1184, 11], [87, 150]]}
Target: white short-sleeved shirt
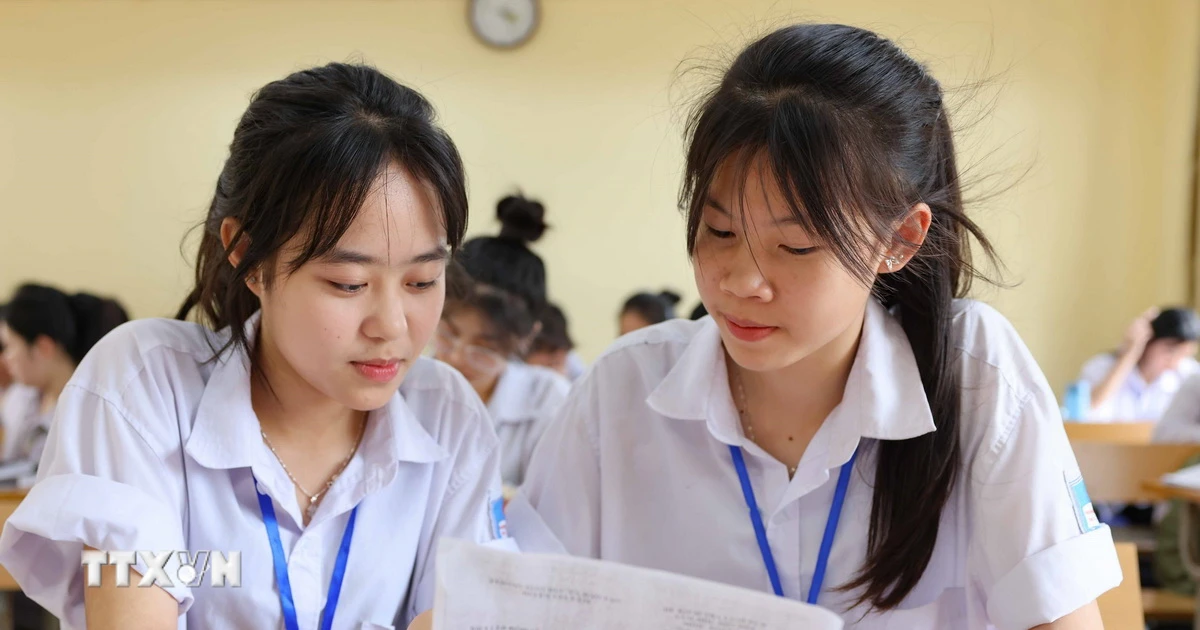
{"points": [[575, 366], [113, 478], [638, 470], [525, 400], [1135, 399], [25, 424]]}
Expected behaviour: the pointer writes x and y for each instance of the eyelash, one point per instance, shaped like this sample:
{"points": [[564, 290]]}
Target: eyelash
{"points": [[718, 233], [424, 286], [795, 251], [348, 288]]}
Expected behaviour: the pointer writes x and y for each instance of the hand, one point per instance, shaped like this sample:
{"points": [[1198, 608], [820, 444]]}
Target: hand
{"points": [[1139, 333], [424, 621]]}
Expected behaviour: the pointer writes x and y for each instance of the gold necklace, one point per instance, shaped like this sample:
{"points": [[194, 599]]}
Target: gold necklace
{"points": [[315, 498], [747, 420]]}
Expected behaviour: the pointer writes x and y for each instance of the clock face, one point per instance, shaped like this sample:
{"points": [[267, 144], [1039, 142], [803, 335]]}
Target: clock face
{"points": [[504, 23]]}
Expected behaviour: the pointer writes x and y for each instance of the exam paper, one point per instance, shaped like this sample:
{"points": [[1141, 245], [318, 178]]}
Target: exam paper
{"points": [[487, 589], [1185, 478]]}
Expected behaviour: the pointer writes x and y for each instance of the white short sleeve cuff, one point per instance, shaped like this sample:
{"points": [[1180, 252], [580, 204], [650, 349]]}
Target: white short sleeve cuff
{"points": [[43, 540], [1055, 582]]}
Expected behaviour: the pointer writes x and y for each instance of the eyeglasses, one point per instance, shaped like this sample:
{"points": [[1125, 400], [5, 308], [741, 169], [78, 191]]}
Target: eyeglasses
{"points": [[477, 357]]}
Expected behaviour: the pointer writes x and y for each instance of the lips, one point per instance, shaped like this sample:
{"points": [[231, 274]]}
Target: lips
{"points": [[378, 370], [747, 330]]}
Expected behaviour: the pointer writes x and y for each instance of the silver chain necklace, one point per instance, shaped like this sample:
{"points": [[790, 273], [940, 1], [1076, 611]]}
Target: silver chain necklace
{"points": [[747, 420], [315, 498]]}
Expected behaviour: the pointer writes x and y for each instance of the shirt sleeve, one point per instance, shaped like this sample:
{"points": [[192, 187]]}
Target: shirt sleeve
{"points": [[552, 400], [1038, 552], [472, 508], [557, 510], [100, 484], [1181, 421], [1093, 373]]}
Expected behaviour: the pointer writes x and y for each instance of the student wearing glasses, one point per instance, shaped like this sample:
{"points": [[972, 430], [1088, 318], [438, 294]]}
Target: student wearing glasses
{"points": [[482, 334]]}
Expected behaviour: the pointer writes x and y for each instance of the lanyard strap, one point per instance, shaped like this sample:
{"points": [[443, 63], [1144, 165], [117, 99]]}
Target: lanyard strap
{"points": [[760, 531], [286, 602]]}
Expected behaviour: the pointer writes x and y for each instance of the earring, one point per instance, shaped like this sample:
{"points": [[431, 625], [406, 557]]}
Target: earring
{"points": [[892, 262]]}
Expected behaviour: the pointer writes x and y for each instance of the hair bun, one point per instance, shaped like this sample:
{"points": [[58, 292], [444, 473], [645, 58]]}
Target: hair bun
{"points": [[521, 219], [94, 317], [670, 297]]}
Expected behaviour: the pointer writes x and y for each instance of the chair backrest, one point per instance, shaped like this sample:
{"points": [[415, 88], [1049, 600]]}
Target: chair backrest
{"points": [[1121, 608], [1111, 432], [1118, 472]]}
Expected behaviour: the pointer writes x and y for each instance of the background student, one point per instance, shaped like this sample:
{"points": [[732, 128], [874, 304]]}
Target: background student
{"points": [[1139, 379]]}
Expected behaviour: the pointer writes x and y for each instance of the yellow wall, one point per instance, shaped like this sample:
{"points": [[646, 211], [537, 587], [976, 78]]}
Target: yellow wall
{"points": [[115, 116]]}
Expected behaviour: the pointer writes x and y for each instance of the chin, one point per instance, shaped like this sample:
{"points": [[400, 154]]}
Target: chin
{"points": [[369, 399], [763, 357]]}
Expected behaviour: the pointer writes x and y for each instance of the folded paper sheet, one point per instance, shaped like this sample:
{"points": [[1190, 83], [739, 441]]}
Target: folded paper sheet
{"points": [[486, 589]]}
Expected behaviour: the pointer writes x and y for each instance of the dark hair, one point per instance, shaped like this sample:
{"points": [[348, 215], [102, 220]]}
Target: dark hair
{"points": [[698, 312], [75, 322], [855, 133], [1177, 324], [505, 261], [509, 321], [303, 160], [652, 307], [553, 336]]}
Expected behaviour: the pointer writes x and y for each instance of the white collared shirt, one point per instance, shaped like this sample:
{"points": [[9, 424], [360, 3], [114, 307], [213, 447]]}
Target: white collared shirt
{"points": [[526, 399], [24, 423], [1135, 399], [638, 470], [146, 402]]}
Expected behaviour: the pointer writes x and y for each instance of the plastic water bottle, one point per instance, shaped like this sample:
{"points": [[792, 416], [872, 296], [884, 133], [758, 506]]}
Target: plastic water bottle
{"points": [[1078, 401]]}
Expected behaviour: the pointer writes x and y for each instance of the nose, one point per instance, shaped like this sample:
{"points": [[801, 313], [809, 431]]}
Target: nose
{"points": [[743, 277], [387, 320]]}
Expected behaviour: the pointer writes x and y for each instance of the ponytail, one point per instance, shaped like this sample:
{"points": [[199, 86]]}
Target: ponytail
{"points": [[75, 323]]}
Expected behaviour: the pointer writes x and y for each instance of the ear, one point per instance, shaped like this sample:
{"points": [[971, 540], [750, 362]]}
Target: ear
{"points": [[44, 346], [231, 228], [910, 235]]}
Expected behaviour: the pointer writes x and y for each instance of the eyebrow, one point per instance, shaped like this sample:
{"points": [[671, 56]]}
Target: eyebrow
{"points": [[788, 220], [341, 256]]}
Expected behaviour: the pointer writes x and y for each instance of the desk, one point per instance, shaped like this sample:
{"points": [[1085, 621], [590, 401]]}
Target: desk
{"points": [[1138, 432]]}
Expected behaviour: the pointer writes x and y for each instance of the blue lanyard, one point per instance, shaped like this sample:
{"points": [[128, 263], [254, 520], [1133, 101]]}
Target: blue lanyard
{"points": [[290, 621], [760, 532]]}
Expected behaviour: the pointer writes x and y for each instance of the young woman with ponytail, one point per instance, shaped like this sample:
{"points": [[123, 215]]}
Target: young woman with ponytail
{"points": [[846, 429], [45, 333]]}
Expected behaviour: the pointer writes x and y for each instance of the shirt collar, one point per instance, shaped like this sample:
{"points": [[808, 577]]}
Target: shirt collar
{"points": [[510, 400], [226, 431], [884, 397]]}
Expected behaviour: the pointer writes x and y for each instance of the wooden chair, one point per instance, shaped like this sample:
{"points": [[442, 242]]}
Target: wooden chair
{"points": [[1121, 608], [1113, 432], [1118, 473]]}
